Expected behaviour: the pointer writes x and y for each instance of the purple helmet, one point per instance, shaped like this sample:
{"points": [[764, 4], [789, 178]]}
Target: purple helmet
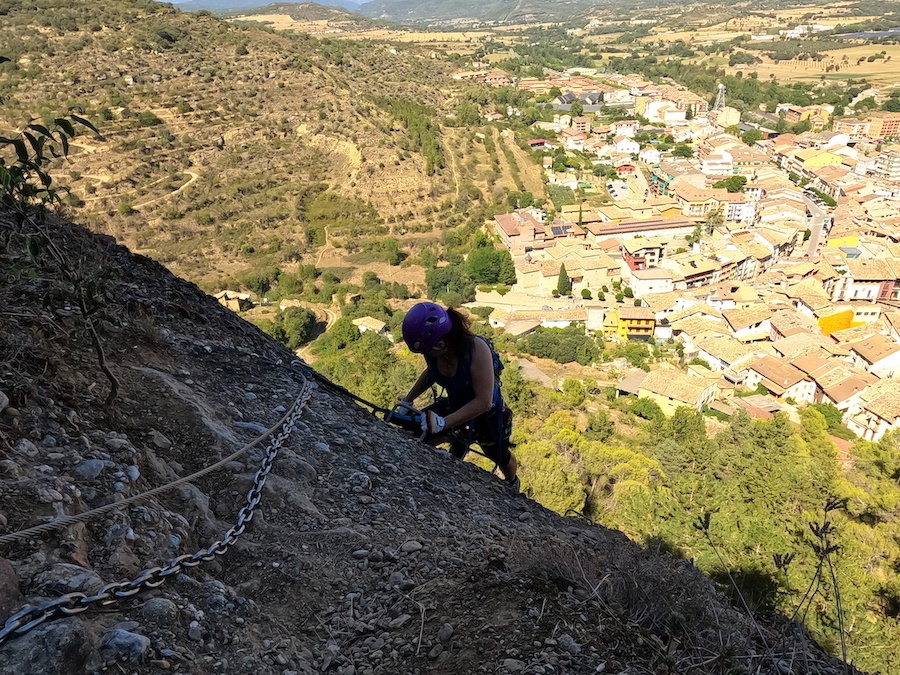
{"points": [[424, 326]]}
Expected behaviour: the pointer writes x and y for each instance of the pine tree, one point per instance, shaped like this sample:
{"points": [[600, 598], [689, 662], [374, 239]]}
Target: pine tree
{"points": [[564, 285], [507, 273]]}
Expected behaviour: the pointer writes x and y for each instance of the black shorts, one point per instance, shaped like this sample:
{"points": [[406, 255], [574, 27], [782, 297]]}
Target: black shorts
{"points": [[491, 431]]}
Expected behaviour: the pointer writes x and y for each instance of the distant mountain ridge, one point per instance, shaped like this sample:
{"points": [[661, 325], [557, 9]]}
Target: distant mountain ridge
{"points": [[418, 11], [228, 6], [493, 10]]}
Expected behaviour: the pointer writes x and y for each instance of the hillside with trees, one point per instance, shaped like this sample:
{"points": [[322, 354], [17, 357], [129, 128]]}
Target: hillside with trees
{"points": [[233, 153], [769, 509]]}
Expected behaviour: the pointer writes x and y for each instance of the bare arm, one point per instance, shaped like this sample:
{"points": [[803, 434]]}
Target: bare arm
{"points": [[419, 388], [482, 370]]}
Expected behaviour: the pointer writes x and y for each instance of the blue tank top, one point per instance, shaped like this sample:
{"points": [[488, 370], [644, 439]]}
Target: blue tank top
{"points": [[458, 386]]}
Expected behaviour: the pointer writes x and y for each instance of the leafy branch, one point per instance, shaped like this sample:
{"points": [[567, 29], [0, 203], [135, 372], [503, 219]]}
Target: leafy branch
{"points": [[26, 189]]}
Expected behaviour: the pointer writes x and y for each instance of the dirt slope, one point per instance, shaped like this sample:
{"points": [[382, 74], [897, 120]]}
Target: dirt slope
{"points": [[369, 552]]}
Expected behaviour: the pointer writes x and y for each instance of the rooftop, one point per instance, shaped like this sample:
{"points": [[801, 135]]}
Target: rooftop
{"points": [[744, 318], [778, 372], [675, 385], [875, 348]]}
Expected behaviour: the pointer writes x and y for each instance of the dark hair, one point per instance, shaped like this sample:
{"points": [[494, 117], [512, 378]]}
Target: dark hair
{"points": [[460, 335]]}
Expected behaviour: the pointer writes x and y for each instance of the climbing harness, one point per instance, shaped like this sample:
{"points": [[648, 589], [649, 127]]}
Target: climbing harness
{"points": [[71, 604]]}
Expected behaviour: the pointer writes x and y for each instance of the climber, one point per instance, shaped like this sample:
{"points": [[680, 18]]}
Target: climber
{"points": [[464, 365]]}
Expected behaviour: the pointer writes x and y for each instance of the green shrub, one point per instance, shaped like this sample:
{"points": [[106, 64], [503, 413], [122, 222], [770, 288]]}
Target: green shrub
{"points": [[148, 119]]}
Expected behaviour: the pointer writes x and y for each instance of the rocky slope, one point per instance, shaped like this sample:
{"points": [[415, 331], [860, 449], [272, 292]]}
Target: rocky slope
{"points": [[369, 552]]}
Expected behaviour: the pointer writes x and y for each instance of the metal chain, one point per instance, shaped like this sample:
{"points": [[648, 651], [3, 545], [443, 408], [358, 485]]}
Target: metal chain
{"points": [[71, 604]]}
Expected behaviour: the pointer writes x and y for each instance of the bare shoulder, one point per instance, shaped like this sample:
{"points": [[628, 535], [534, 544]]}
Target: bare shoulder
{"points": [[481, 355], [481, 349]]}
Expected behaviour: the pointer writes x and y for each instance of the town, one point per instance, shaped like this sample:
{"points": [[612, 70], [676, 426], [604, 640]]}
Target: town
{"points": [[771, 259]]}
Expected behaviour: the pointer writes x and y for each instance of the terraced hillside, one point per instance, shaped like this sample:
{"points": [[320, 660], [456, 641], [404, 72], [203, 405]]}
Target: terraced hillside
{"points": [[225, 147]]}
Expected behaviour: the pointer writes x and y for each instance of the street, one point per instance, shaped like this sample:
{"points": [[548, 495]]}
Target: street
{"points": [[818, 221]]}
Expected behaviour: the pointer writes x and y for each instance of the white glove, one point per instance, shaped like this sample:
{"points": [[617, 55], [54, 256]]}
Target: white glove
{"points": [[432, 423]]}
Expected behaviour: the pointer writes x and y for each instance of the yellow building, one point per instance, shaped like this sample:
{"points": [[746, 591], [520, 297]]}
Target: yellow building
{"points": [[629, 323], [640, 104], [812, 159], [848, 240], [835, 321]]}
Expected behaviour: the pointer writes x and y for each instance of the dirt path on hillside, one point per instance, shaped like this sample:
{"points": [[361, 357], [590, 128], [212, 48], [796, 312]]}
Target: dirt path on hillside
{"points": [[507, 175], [454, 165], [193, 176], [530, 173]]}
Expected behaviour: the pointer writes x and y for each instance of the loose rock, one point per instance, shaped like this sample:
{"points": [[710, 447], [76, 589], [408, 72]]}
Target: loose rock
{"points": [[160, 611], [65, 578], [123, 645]]}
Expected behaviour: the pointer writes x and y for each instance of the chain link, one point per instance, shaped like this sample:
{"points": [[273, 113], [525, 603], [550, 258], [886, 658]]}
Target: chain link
{"points": [[71, 604]]}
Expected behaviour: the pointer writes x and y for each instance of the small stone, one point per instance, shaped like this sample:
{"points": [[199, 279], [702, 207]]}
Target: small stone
{"points": [[133, 473], [407, 585], [568, 643], [4, 401], [445, 633], [159, 440], [361, 553], [195, 633], [89, 469], [116, 443], [26, 447], [400, 621], [162, 664], [371, 468], [123, 645], [321, 447], [49, 441], [513, 665], [250, 396], [160, 612], [524, 516], [410, 546], [436, 651]]}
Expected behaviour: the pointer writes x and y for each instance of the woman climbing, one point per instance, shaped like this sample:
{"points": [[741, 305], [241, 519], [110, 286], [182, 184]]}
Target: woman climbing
{"points": [[463, 364]]}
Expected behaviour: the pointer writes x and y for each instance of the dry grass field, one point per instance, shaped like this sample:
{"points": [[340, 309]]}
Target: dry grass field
{"points": [[881, 71], [333, 29]]}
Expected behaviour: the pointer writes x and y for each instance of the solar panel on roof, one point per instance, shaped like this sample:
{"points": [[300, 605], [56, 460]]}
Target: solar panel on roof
{"points": [[558, 230]]}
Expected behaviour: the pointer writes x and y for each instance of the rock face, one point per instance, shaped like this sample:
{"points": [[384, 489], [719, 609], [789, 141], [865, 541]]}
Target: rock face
{"points": [[58, 648], [369, 553], [10, 596]]}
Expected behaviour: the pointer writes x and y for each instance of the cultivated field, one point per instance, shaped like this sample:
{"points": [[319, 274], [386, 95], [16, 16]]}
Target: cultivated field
{"points": [[884, 71], [331, 28]]}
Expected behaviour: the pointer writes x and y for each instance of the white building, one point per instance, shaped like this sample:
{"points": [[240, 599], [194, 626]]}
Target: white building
{"points": [[878, 355], [651, 280], [887, 164]]}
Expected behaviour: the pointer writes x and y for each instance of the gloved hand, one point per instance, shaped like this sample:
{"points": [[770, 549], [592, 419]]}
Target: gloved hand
{"points": [[404, 406], [432, 423]]}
